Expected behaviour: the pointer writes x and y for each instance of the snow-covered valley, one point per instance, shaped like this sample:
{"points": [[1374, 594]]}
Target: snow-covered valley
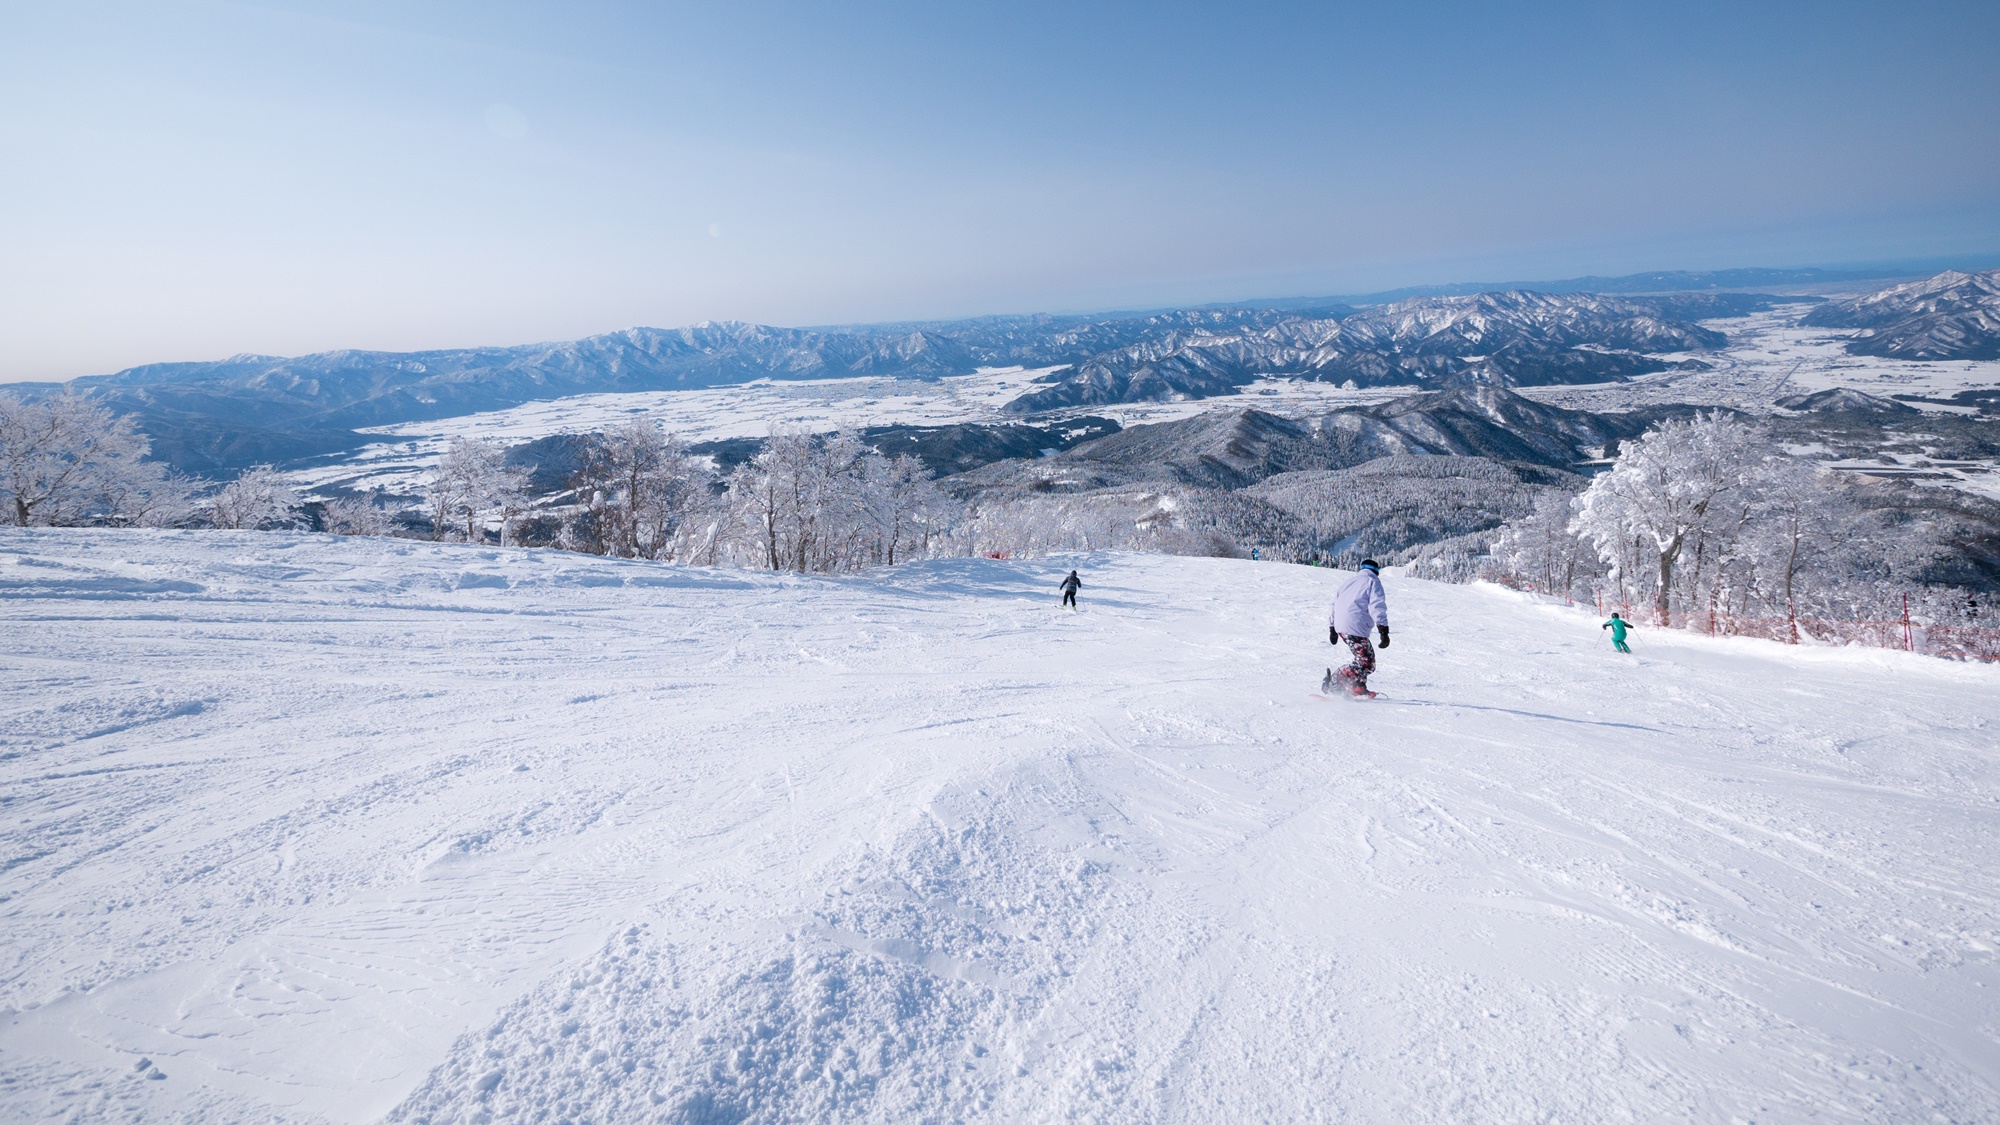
{"points": [[306, 828], [1768, 357], [403, 460]]}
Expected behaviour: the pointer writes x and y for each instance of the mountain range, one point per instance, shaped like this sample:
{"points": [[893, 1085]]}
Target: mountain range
{"points": [[1951, 316], [218, 417], [1663, 281], [1514, 338], [1439, 467], [1236, 448]]}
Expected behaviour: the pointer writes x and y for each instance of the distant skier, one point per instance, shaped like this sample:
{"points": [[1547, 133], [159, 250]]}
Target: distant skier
{"points": [[1618, 626], [1070, 586], [1358, 606]]}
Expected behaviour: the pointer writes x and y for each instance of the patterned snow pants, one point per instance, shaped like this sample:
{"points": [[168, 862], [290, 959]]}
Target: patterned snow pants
{"points": [[1355, 674]]}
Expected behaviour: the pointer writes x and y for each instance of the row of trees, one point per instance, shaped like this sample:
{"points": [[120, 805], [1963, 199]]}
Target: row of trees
{"points": [[806, 502], [65, 461], [1707, 515], [827, 504], [1704, 514]]}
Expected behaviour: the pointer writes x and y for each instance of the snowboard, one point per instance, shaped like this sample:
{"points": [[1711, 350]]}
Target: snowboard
{"points": [[1330, 688]]}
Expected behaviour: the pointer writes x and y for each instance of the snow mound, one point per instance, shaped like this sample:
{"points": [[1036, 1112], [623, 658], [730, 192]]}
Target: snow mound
{"points": [[886, 1000], [811, 1032], [305, 829]]}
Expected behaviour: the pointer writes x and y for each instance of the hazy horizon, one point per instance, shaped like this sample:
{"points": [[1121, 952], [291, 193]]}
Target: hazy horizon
{"points": [[204, 179], [1910, 267]]}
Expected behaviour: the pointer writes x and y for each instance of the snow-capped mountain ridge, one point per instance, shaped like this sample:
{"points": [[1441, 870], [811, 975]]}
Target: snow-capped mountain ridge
{"points": [[1512, 338], [217, 417], [1951, 316], [1234, 448]]}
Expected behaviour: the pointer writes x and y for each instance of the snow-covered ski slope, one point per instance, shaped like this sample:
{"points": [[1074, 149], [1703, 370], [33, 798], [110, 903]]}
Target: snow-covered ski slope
{"points": [[343, 829]]}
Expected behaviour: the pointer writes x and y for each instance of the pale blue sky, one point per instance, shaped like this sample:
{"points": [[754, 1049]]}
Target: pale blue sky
{"points": [[187, 180]]}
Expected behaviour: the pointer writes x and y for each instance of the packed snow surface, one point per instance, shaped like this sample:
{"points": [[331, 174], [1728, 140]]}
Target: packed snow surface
{"points": [[299, 828]]}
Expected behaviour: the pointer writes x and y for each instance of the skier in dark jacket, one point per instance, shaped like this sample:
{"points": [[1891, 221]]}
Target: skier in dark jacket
{"points": [[1070, 586], [1358, 606]]}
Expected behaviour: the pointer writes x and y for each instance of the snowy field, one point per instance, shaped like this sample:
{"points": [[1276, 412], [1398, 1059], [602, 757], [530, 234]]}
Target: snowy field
{"points": [[299, 828], [1769, 357], [402, 461]]}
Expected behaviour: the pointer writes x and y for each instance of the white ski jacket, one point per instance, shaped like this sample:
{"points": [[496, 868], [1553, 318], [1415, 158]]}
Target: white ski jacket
{"points": [[1359, 606]]}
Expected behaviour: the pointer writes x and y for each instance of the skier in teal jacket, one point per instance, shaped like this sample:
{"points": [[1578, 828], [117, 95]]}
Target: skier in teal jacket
{"points": [[1618, 626]]}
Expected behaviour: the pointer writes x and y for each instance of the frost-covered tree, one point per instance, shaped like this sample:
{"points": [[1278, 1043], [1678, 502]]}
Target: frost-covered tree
{"points": [[471, 479], [1682, 485], [358, 515], [1711, 514], [1541, 549], [67, 461], [260, 499], [755, 499], [643, 495], [149, 494], [828, 503], [1798, 510], [906, 507], [448, 491], [800, 500]]}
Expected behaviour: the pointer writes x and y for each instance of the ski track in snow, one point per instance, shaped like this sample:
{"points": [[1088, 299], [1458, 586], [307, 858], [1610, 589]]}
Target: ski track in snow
{"points": [[298, 828]]}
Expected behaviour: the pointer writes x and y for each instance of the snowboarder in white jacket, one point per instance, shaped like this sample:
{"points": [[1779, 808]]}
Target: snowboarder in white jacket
{"points": [[1358, 606]]}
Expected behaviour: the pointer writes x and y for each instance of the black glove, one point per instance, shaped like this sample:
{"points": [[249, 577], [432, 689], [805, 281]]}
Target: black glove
{"points": [[1384, 630], [1332, 635]]}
